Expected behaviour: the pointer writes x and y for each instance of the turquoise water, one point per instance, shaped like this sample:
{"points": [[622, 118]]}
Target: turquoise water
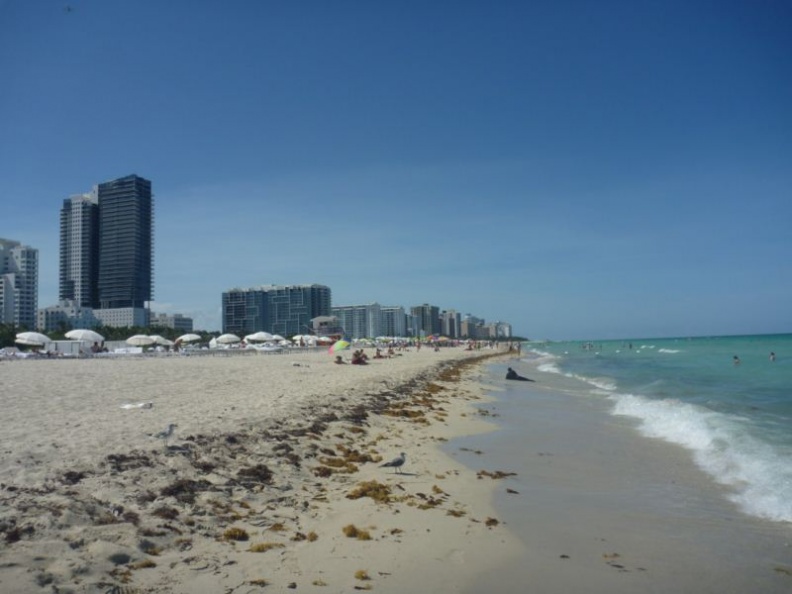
{"points": [[734, 419]]}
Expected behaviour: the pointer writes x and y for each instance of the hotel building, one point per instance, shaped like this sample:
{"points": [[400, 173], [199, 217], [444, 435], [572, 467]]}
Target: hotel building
{"points": [[79, 251], [360, 321], [279, 309], [106, 255], [18, 284], [428, 317]]}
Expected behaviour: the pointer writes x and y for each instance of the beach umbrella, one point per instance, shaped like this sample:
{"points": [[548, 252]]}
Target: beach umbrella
{"points": [[227, 339], [86, 335], [260, 336], [285, 342], [32, 339], [338, 345], [160, 340], [188, 338], [140, 340]]}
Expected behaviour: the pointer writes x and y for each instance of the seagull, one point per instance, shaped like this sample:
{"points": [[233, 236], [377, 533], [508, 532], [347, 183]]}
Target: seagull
{"points": [[396, 463], [165, 434]]}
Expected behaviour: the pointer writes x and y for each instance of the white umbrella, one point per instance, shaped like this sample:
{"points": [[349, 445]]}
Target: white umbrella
{"points": [[228, 338], [188, 337], [32, 339], [277, 337], [258, 337], [160, 340], [140, 340], [86, 335]]}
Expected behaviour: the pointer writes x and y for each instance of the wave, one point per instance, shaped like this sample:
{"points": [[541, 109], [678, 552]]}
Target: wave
{"points": [[549, 368], [671, 351], [760, 474], [604, 384]]}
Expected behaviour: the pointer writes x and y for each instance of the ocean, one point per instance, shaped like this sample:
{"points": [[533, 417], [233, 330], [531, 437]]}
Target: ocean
{"points": [[641, 465], [735, 420]]}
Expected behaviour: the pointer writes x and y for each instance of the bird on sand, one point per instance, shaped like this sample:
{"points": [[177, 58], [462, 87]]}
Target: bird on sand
{"points": [[165, 434], [396, 463]]}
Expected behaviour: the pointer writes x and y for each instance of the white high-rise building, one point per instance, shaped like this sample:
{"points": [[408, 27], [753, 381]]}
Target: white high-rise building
{"points": [[394, 321], [79, 250], [18, 284], [451, 323], [360, 321]]}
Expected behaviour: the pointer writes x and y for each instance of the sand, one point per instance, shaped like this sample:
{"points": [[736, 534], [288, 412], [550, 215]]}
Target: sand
{"points": [[271, 479]]}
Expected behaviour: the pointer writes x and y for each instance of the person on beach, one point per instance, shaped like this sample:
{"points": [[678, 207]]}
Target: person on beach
{"points": [[772, 357], [513, 375], [736, 360]]}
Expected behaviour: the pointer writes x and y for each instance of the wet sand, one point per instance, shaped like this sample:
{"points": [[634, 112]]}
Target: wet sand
{"points": [[601, 509]]}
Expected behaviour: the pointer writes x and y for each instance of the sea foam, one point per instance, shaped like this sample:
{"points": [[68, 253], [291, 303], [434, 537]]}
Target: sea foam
{"points": [[759, 474]]}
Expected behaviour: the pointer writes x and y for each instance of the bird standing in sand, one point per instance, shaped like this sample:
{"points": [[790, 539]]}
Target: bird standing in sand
{"points": [[164, 435], [396, 463]]}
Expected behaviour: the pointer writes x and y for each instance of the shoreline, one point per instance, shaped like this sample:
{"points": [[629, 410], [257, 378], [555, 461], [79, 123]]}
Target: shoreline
{"points": [[601, 508], [232, 501]]}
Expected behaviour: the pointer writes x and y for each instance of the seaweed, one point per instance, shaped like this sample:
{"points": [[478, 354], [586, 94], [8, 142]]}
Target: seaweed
{"points": [[184, 490], [263, 547], [373, 489], [259, 473], [235, 533]]}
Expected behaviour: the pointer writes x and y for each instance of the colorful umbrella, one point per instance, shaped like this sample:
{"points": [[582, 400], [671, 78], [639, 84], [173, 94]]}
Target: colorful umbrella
{"points": [[338, 345]]}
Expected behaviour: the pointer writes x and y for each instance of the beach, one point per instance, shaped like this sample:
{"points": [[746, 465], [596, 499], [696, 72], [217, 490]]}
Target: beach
{"points": [[601, 508], [271, 477], [272, 480]]}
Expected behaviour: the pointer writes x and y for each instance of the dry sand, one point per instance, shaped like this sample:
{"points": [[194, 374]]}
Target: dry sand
{"points": [[272, 477]]}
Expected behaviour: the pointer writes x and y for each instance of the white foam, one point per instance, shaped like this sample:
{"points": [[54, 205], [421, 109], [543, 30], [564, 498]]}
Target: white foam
{"points": [[670, 351], [549, 368], [601, 383], [760, 474]]}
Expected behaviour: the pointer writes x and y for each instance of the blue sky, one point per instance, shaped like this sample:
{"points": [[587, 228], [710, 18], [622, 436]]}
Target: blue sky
{"points": [[580, 169]]}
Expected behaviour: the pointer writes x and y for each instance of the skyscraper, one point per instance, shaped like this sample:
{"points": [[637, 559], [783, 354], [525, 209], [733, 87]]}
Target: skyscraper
{"points": [[126, 220], [79, 250], [284, 310], [18, 284], [428, 319], [360, 321]]}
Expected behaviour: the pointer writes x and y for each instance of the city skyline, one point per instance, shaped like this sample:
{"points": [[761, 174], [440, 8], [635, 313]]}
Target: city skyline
{"points": [[581, 170], [106, 264]]}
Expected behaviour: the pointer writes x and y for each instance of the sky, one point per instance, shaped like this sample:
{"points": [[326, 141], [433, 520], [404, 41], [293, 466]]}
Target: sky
{"points": [[578, 169]]}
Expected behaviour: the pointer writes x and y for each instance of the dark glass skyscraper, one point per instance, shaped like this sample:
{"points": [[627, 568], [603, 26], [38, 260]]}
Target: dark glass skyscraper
{"points": [[284, 310], [126, 221]]}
